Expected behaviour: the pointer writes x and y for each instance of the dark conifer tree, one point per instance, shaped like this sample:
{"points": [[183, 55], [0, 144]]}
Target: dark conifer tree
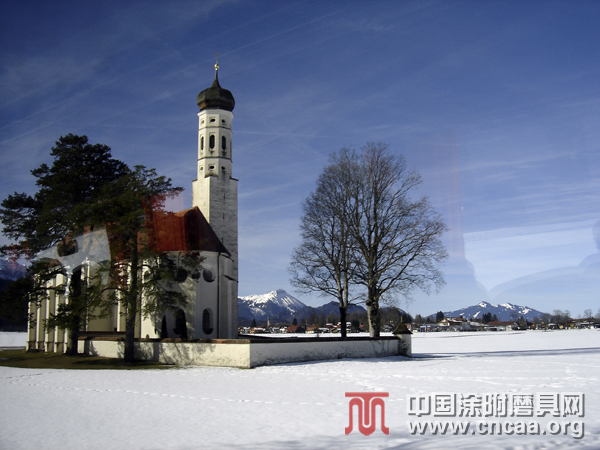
{"points": [[78, 174]]}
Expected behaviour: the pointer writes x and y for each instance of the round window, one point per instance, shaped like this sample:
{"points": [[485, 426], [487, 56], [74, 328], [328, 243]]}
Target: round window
{"points": [[208, 275]]}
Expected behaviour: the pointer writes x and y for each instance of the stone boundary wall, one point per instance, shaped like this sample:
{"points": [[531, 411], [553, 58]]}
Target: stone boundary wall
{"points": [[246, 354]]}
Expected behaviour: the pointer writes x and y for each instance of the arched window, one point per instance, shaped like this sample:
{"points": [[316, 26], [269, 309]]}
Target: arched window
{"points": [[163, 328], [202, 143], [207, 325], [180, 324], [223, 142], [211, 141]]}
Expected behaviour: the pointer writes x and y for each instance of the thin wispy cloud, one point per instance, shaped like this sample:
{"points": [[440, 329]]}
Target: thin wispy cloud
{"points": [[497, 107]]}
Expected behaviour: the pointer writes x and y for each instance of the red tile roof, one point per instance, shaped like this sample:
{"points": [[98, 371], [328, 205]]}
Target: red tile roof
{"points": [[186, 230]]}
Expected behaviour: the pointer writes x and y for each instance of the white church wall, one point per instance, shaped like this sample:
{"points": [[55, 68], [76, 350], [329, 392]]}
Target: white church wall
{"points": [[148, 327], [262, 354], [201, 293], [214, 287], [246, 354], [228, 299], [405, 344]]}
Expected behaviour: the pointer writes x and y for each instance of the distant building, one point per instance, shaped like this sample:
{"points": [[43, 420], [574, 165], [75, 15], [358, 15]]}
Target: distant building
{"points": [[451, 324], [503, 325], [295, 329]]}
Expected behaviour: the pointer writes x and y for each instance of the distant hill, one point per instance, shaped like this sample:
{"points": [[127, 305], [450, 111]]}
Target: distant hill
{"points": [[10, 270], [505, 311], [326, 309]]}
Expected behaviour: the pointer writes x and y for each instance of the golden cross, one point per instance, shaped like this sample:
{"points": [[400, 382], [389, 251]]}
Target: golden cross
{"points": [[217, 63]]}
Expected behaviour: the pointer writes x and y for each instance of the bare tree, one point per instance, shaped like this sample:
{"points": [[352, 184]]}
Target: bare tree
{"points": [[398, 239], [324, 261], [361, 227]]}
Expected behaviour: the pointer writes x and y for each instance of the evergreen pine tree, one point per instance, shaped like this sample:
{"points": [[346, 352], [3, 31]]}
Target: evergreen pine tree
{"points": [[79, 173]]}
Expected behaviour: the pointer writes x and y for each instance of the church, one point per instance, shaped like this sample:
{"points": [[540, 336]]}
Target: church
{"points": [[209, 317], [210, 226]]}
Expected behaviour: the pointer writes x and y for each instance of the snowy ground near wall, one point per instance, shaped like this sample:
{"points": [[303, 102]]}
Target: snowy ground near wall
{"points": [[302, 405]]}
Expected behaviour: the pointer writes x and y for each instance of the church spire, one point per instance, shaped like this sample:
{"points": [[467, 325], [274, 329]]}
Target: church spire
{"points": [[215, 193], [217, 68], [215, 97]]}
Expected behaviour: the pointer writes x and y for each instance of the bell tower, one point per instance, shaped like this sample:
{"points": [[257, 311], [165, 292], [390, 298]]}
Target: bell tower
{"points": [[215, 190]]}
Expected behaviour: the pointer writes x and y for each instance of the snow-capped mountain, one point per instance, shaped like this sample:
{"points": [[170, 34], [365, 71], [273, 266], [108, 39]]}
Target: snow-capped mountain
{"points": [[505, 311], [277, 305], [10, 270]]}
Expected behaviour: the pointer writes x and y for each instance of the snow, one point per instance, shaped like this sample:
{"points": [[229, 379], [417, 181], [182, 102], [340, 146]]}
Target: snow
{"points": [[301, 405]]}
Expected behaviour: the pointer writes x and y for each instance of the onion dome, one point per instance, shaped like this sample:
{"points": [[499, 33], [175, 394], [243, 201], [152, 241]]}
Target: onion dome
{"points": [[215, 97]]}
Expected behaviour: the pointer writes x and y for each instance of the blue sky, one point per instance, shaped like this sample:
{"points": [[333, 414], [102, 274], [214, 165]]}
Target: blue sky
{"points": [[497, 104]]}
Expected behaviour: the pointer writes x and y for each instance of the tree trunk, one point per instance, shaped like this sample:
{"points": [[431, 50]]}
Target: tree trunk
{"points": [[132, 304], [73, 340], [373, 315], [344, 331], [129, 354]]}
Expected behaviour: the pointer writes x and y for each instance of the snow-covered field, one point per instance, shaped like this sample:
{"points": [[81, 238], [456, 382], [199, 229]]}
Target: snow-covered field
{"points": [[303, 405]]}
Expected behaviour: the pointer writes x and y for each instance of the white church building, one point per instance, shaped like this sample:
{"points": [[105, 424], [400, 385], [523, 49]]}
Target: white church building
{"points": [[210, 226]]}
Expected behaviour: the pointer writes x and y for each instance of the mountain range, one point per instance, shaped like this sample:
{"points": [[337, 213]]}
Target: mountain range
{"points": [[505, 311], [279, 306]]}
